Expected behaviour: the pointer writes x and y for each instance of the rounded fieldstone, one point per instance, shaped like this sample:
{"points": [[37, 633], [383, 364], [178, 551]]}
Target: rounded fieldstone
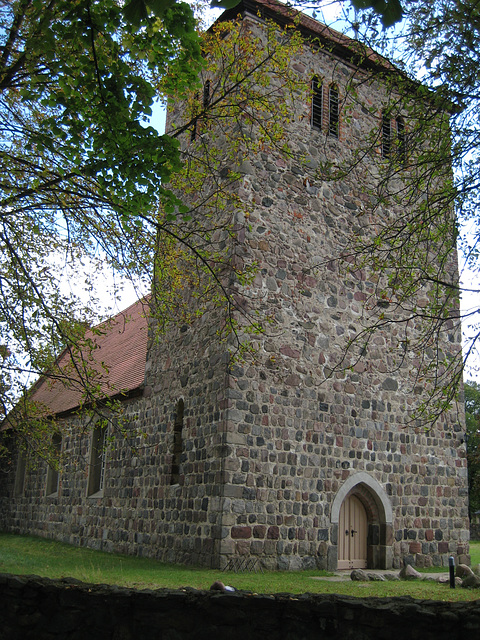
{"points": [[409, 573], [358, 575], [463, 571], [471, 582]]}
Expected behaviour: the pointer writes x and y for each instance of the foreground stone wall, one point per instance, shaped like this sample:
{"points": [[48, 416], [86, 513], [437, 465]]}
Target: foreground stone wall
{"points": [[40, 609]]}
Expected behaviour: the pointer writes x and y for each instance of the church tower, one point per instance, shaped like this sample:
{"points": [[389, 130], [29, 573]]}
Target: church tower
{"points": [[313, 457]]}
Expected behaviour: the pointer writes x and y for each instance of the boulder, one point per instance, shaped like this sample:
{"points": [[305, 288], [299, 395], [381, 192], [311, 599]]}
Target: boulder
{"points": [[463, 571], [476, 570], [359, 575], [217, 586], [375, 577], [409, 573], [445, 579], [472, 582]]}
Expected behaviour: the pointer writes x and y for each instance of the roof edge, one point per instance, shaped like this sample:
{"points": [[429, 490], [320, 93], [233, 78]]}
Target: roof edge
{"points": [[350, 50]]}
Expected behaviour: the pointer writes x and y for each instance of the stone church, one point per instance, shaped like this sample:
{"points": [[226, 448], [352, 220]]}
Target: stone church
{"points": [[270, 460]]}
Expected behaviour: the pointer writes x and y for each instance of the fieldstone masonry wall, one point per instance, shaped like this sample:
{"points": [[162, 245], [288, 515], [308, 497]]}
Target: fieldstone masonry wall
{"points": [[40, 609], [140, 512], [272, 450]]}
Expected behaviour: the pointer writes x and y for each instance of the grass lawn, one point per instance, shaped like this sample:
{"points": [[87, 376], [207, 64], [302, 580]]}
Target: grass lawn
{"points": [[475, 553], [28, 555]]}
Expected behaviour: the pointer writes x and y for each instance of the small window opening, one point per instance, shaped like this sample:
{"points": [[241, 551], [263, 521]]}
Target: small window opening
{"points": [[206, 94], [53, 475], [196, 108], [20, 473], [317, 103], [333, 120], [98, 455], [194, 131], [177, 443], [386, 135]]}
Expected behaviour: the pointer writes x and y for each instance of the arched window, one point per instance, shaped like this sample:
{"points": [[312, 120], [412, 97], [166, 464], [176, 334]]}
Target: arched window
{"points": [[20, 473], [196, 108], [52, 471], [333, 117], [177, 443], [193, 133], [317, 103], [98, 454], [386, 135]]}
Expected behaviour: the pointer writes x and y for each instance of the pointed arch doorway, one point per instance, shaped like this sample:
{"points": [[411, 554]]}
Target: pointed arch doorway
{"points": [[352, 534], [361, 517]]}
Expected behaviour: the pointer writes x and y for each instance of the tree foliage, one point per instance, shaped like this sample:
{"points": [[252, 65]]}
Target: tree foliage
{"points": [[241, 111], [390, 11], [184, 236], [472, 415], [80, 169]]}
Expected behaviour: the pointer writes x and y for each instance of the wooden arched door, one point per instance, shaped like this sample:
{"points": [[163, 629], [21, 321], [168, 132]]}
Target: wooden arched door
{"points": [[352, 534]]}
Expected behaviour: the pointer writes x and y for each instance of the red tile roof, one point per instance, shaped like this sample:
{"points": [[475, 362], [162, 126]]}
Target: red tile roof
{"points": [[117, 355]]}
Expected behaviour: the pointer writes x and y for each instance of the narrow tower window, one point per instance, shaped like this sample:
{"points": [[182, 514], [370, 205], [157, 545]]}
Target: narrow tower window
{"points": [[333, 111], [206, 94], [193, 133], [317, 103], [196, 108], [96, 476], [52, 471], [386, 135], [177, 443]]}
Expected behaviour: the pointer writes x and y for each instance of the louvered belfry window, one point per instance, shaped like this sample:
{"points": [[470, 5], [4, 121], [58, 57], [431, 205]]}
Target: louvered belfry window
{"points": [[333, 111], [317, 103], [386, 135]]}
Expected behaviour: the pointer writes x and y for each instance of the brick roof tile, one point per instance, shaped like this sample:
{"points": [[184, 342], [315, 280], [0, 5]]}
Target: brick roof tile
{"points": [[118, 355]]}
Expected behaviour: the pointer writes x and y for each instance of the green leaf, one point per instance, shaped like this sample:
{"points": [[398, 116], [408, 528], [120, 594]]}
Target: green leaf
{"points": [[390, 11], [135, 12], [224, 4]]}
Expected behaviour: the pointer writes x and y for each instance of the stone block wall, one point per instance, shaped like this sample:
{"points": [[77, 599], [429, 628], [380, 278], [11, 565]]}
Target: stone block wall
{"points": [[40, 609]]}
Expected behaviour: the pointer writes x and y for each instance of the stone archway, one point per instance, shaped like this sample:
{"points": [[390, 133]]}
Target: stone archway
{"points": [[379, 536]]}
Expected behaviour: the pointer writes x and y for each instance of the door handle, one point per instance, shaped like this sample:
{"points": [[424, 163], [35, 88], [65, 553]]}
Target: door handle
{"points": [[353, 532]]}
